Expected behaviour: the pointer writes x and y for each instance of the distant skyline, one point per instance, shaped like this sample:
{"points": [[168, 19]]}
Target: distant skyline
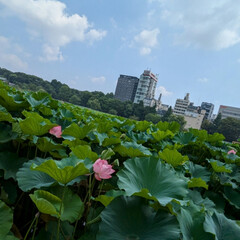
{"points": [[192, 45]]}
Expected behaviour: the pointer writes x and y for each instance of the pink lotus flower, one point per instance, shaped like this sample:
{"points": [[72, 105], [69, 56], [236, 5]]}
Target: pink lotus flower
{"points": [[102, 169], [232, 152], [56, 131]]}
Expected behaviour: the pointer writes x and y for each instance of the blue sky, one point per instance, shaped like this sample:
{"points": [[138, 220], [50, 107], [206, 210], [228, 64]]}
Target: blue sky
{"points": [[193, 45]]}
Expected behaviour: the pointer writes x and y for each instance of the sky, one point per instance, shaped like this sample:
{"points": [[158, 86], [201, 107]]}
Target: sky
{"points": [[193, 46]]}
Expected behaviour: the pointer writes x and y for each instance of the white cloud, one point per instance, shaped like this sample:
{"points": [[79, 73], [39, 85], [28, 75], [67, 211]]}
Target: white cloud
{"points": [[48, 20], [101, 79], [203, 80], [205, 24], [146, 40], [9, 57], [163, 91]]}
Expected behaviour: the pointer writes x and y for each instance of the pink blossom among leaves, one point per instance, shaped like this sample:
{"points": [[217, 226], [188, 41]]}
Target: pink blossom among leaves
{"points": [[232, 152], [102, 169], [56, 131]]}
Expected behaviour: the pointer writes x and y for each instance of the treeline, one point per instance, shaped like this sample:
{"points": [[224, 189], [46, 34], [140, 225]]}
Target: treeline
{"points": [[229, 127], [95, 100]]}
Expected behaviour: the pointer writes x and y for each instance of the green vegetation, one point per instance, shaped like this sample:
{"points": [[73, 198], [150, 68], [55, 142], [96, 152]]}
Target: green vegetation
{"points": [[156, 181], [229, 127], [95, 100]]}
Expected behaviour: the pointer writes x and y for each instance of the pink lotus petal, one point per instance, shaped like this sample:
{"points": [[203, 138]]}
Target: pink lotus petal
{"points": [[102, 169], [232, 152], [56, 131]]}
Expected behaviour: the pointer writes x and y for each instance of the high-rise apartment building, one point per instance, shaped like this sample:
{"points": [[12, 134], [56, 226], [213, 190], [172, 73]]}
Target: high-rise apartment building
{"points": [[208, 107], [181, 105], [227, 111], [146, 88], [126, 88]]}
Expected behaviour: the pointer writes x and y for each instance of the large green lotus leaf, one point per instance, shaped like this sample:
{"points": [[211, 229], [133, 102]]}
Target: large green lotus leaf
{"points": [[216, 137], [219, 166], [65, 113], [113, 140], [29, 179], [12, 101], [161, 182], [84, 151], [6, 133], [10, 163], [184, 138], [132, 149], [127, 218], [233, 196], [104, 126], [142, 126], [46, 202], [197, 182], [6, 219], [75, 132], [45, 144], [74, 143], [201, 135], [197, 198], [173, 157], [141, 137], [63, 171], [97, 137], [231, 158], [5, 115], [46, 111], [217, 199], [231, 179], [164, 126], [191, 224], [221, 227], [72, 205], [108, 197], [197, 171], [160, 135], [34, 124], [38, 98]]}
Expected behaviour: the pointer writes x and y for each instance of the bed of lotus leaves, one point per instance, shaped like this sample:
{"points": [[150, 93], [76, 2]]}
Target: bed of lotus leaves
{"points": [[167, 184]]}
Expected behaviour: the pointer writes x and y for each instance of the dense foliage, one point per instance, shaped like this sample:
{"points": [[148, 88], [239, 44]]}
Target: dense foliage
{"points": [[93, 100], [229, 127], [167, 184]]}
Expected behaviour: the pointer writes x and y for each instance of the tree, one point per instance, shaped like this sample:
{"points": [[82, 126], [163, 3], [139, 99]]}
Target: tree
{"points": [[152, 117], [209, 126], [230, 128], [75, 99], [64, 93], [94, 104], [179, 119], [167, 115], [112, 111]]}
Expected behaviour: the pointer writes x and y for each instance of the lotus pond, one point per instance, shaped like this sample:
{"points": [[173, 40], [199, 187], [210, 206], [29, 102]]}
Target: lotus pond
{"points": [[67, 172]]}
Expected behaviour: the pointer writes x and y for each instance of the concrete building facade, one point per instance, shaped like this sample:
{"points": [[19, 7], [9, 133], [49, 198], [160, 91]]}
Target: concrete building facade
{"points": [[181, 105], [194, 119], [208, 107], [126, 88], [227, 111], [146, 88]]}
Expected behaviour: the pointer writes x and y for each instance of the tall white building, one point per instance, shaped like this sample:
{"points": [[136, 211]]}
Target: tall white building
{"points": [[181, 105], [146, 88], [193, 115]]}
